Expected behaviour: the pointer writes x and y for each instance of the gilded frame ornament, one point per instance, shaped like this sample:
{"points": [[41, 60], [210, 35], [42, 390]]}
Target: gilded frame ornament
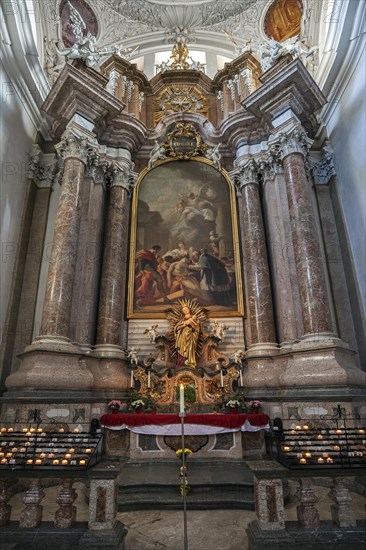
{"points": [[161, 312]]}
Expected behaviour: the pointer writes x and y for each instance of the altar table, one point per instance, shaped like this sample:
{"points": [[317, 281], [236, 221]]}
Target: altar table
{"points": [[194, 424]]}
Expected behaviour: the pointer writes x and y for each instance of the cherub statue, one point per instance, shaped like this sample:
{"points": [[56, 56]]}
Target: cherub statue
{"points": [[157, 153], [219, 330], [132, 355], [213, 154], [163, 67], [270, 52], [237, 356], [196, 65], [152, 332]]}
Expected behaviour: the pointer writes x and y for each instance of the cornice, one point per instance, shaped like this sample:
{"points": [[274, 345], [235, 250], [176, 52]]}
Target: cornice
{"points": [[80, 90], [292, 87]]}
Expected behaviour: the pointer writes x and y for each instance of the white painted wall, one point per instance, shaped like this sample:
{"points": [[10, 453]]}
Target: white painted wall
{"points": [[17, 134], [347, 132]]}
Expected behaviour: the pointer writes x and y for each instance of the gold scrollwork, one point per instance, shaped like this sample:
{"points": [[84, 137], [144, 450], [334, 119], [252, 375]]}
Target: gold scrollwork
{"points": [[185, 142]]}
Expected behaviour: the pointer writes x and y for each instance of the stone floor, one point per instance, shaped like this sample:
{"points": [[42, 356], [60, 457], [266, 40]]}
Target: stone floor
{"points": [[163, 530]]}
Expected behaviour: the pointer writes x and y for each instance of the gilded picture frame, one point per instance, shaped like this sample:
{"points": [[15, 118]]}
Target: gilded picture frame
{"points": [[184, 240]]}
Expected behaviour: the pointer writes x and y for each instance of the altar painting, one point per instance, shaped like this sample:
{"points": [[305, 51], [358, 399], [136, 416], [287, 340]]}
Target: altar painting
{"points": [[184, 241]]}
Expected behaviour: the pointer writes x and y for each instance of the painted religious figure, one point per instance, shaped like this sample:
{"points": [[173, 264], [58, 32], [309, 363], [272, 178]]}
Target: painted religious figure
{"points": [[186, 321], [184, 241]]}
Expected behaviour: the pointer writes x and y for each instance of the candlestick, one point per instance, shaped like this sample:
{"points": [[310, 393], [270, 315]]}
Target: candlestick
{"points": [[132, 380], [148, 378], [221, 379], [181, 398], [241, 378]]}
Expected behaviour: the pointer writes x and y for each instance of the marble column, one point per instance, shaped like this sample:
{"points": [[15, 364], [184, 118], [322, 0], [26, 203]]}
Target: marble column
{"points": [[113, 281], [260, 322], [55, 324], [309, 266], [280, 251]]}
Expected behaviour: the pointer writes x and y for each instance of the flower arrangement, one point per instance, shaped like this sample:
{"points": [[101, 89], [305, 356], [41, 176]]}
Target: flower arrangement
{"points": [[233, 403], [179, 452], [115, 404], [138, 404], [254, 404]]}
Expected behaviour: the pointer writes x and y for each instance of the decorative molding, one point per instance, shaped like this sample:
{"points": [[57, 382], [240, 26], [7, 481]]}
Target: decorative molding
{"points": [[247, 174], [73, 146], [295, 140], [44, 174], [119, 175], [324, 170]]}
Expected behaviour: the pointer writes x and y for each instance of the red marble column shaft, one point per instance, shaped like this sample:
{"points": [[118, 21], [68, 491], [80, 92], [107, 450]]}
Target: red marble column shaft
{"points": [[258, 286], [309, 266], [113, 281], [60, 280]]}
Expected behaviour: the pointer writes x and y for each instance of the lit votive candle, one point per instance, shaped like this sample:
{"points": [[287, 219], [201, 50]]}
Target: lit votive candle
{"points": [[325, 455], [43, 434], [51, 455], [3, 430], [56, 461], [292, 431], [64, 461], [298, 427], [361, 431], [28, 434], [88, 450], [27, 443], [330, 460], [336, 448], [319, 436], [38, 461], [39, 430], [10, 429], [2, 454], [32, 430], [67, 455], [82, 462], [76, 431], [61, 430], [287, 449], [320, 460], [9, 455], [3, 461], [305, 427], [30, 461], [42, 455], [339, 431], [302, 460], [308, 455], [71, 450]]}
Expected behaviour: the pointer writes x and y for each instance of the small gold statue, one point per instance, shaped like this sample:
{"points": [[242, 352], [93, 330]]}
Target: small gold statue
{"points": [[186, 319]]}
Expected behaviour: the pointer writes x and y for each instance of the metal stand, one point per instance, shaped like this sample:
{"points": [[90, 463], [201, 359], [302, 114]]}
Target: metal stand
{"points": [[185, 537]]}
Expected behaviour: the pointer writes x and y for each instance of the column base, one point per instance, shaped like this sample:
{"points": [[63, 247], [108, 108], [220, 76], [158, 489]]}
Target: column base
{"points": [[52, 369], [109, 373], [53, 343], [109, 350], [263, 349], [319, 364]]}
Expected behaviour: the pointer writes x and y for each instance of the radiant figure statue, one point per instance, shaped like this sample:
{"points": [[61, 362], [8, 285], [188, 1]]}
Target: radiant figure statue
{"points": [[186, 321]]}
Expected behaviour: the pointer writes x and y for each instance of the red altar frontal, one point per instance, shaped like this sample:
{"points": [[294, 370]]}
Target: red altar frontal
{"points": [[194, 424]]}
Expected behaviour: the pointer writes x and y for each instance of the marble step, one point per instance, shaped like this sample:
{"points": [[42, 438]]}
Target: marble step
{"points": [[213, 485]]}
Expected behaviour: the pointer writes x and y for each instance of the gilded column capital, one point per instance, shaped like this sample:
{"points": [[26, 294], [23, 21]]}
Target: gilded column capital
{"points": [[294, 140], [44, 170], [324, 170], [73, 146]]}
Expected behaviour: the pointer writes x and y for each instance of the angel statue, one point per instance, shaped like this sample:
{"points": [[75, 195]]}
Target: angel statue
{"points": [[152, 332], [84, 46], [238, 356], [132, 355], [186, 320], [157, 153], [213, 154]]}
